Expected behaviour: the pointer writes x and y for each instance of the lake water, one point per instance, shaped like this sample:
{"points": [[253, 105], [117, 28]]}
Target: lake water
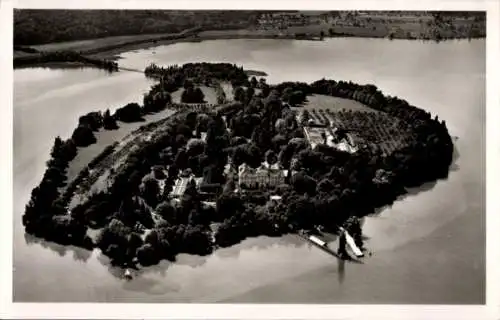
{"points": [[428, 247]]}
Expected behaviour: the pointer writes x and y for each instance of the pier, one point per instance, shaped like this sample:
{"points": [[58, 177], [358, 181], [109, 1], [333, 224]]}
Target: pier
{"points": [[324, 246]]}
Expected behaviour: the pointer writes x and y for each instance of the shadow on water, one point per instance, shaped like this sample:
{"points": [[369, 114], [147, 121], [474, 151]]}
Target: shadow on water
{"points": [[79, 254], [456, 155], [143, 279], [341, 270], [427, 186], [258, 243]]}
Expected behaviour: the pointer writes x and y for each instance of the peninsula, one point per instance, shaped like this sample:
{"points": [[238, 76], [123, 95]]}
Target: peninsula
{"points": [[103, 34], [232, 157]]}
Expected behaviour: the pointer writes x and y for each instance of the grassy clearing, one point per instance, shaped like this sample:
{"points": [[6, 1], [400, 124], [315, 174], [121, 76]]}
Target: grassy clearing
{"points": [[99, 43], [99, 176], [210, 95], [106, 138], [228, 90], [317, 101]]}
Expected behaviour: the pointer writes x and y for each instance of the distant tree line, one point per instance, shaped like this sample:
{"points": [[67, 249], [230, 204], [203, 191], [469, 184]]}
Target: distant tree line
{"points": [[46, 26]]}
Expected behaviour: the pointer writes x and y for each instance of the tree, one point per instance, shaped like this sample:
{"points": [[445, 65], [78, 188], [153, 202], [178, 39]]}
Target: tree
{"points": [[159, 173], [253, 82], [191, 189], [155, 101], [147, 255], [300, 212], [181, 158], [249, 94], [93, 120], [302, 183], [304, 117], [325, 186], [239, 94], [167, 212], [109, 122], [280, 126], [229, 187], [192, 95], [130, 113], [271, 157], [285, 96], [195, 147], [57, 148], [188, 84], [151, 192], [296, 98], [83, 136]]}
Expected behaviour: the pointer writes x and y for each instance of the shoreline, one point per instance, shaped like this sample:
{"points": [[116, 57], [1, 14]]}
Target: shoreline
{"points": [[112, 52], [249, 262], [143, 145]]}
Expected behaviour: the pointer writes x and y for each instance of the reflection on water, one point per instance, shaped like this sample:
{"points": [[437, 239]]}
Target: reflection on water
{"points": [[141, 281], [341, 270], [79, 254]]}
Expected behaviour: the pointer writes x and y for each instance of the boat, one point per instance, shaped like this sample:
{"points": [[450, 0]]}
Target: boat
{"points": [[352, 244], [317, 241], [127, 274]]}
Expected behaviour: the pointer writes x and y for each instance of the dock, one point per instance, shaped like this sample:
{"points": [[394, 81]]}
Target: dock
{"points": [[324, 246]]}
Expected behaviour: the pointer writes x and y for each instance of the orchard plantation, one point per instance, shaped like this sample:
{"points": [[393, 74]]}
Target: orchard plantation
{"points": [[138, 220]]}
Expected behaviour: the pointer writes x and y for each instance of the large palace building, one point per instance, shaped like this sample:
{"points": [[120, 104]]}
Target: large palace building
{"points": [[260, 178]]}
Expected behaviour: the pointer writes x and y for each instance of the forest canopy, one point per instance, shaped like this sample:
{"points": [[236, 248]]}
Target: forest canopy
{"points": [[46, 26]]}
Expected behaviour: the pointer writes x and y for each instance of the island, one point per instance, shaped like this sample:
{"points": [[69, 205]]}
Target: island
{"points": [[232, 157]]}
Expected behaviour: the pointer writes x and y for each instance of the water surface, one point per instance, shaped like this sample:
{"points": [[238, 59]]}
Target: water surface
{"points": [[428, 247]]}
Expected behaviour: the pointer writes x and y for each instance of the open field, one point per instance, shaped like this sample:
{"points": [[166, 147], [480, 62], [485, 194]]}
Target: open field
{"points": [[317, 101]]}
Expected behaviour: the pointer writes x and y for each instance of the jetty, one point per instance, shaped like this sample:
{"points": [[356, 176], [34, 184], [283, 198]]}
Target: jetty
{"points": [[323, 245], [318, 243]]}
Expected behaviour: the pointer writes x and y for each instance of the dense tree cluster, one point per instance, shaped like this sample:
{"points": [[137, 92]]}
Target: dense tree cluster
{"points": [[174, 77], [132, 112], [156, 99], [192, 95], [45, 214], [325, 186]]}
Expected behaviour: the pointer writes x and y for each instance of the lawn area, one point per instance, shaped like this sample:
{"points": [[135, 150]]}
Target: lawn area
{"points": [[93, 44], [210, 95], [334, 103], [228, 90], [106, 138]]}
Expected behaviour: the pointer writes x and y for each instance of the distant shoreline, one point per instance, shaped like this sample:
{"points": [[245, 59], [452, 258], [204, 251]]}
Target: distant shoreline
{"points": [[110, 48]]}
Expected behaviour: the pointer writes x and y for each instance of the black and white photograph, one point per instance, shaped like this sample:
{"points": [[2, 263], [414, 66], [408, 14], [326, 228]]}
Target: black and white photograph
{"points": [[257, 156]]}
